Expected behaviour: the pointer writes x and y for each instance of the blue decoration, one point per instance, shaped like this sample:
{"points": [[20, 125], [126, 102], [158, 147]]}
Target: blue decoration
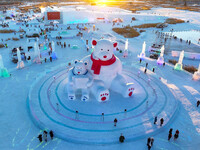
{"points": [[53, 55]]}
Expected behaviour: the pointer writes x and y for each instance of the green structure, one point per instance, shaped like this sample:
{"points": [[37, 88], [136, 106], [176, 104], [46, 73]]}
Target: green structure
{"points": [[179, 65], [3, 71]]}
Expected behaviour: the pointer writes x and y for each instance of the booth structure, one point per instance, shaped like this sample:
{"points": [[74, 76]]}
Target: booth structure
{"points": [[51, 15]]}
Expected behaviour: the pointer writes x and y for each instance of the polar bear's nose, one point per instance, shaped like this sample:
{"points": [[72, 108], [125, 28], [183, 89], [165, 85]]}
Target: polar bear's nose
{"points": [[104, 56]]}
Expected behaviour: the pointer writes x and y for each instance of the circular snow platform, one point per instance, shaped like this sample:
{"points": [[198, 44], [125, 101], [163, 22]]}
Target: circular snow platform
{"points": [[50, 109]]}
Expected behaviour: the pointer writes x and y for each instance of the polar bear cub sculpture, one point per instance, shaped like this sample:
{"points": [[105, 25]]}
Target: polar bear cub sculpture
{"points": [[79, 78]]}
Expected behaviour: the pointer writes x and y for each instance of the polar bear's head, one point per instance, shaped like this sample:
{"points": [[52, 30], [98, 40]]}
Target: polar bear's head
{"points": [[103, 49], [80, 67]]}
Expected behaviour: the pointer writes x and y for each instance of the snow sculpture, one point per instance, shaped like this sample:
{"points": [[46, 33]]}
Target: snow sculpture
{"points": [[196, 75], [179, 65], [53, 46], [37, 53], [53, 55], [20, 63], [160, 60], [125, 54], [106, 69], [3, 71], [142, 54], [79, 78]]}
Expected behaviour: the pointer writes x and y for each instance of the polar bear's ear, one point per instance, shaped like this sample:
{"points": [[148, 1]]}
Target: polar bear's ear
{"points": [[115, 44], [75, 61], [94, 42]]}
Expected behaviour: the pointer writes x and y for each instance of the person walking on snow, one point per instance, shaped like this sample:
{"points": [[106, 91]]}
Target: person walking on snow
{"points": [[176, 135], [198, 102], [51, 134], [170, 134], [153, 70], [40, 137], [161, 121], [45, 135], [102, 114], [145, 70], [76, 117], [148, 141], [115, 122], [121, 138], [155, 120], [170, 130], [152, 140]]}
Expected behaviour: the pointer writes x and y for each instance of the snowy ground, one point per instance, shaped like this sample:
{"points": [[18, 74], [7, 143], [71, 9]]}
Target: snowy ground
{"points": [[174, 98]]}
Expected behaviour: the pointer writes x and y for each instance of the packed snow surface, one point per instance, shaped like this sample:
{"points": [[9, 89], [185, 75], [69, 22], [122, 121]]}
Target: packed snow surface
{"points": [[29, 97]]}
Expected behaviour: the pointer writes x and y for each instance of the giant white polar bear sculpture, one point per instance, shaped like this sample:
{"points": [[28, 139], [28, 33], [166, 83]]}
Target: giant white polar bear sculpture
{"points": [[106, 69]]}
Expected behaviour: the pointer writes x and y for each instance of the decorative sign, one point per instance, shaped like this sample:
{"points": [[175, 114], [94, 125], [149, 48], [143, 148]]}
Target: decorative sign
{"points": [[53, 15]]}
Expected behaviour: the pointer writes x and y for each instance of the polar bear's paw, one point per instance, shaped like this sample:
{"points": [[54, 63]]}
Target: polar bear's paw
{"points": [[71, 97], [85, 98], [129, 91], [103, 96]]}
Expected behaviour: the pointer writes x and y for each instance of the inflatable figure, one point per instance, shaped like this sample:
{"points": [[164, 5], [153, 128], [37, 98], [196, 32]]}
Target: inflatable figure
{"points": [[106, 69], [79, 78]]}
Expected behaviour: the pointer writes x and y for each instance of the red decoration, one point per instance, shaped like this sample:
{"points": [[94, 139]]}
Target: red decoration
{"points": [[53, 15], [100, 18], [115, 44], [94, 42], [96, 64]]}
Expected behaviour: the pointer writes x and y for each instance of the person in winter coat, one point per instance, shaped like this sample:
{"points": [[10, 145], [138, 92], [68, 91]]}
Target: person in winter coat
{"points": [[176, 135], [161, 121], [45, 135], [51, 134], [148, 140], [145, 70], [115, 122], [40, 137], [170, 130], [149, 143], [152, 140], [198, 102], [169, 136], [121, 138], [155, 120]]}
